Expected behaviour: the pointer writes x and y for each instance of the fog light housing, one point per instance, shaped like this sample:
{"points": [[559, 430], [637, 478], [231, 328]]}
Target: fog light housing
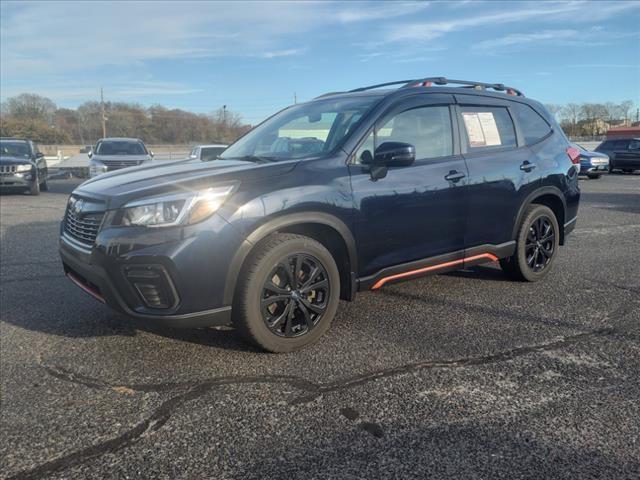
{"points": [[153, 286]]}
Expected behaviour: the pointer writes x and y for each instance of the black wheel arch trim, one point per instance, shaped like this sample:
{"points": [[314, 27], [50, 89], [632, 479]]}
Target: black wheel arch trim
{"points": [[529, 199], [279, 222]]}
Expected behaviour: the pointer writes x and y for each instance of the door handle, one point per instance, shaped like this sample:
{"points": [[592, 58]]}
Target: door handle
{"points": [[527, 166], [454, 176]]}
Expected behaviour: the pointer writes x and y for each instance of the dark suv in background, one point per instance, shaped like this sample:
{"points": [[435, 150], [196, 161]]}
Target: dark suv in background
{"points": [[624, 153], [351, 191], [22, 166]]}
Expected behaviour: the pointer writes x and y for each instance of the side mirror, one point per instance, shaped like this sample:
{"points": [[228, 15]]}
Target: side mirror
{"points": [[394, 154], [90, 153], [39, 154], [150, 153]]}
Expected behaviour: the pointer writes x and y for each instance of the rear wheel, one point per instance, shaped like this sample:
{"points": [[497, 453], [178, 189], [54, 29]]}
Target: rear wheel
{"points": [[288, 293], [536, 245], [593, 176]]}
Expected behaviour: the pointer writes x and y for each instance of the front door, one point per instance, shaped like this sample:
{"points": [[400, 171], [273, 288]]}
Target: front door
{"points": [[418, 211]]}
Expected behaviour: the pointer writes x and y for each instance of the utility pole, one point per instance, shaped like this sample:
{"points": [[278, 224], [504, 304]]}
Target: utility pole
{"points": [[295, 98], [104, 118]]}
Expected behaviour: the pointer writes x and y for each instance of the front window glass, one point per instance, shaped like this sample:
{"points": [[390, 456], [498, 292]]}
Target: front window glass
{"points": [[14, 149], [428, 129], [120, 147], [302, 131], [634, 145]]}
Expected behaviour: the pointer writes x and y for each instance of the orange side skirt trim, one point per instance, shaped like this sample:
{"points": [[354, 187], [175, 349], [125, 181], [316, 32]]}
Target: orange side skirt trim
{"points": [[382, 281]]}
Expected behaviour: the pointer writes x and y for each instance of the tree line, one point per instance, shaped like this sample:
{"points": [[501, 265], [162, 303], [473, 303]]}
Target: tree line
{"points": [[36, 117], [594, 119]]}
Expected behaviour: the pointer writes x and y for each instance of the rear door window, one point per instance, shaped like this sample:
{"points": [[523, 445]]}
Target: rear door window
{"points": [[533, 127], [488, 127]]}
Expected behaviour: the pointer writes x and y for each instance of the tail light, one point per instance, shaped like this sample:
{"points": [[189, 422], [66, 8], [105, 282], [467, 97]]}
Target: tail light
{"points": [[574, 155]]}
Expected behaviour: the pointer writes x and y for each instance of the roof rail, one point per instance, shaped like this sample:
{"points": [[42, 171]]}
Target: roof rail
{"points": [[430, 81], [499, 87]]}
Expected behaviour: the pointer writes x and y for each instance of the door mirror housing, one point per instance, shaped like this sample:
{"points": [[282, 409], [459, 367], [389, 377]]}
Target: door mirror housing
{"points": [[90, 153], [394, 154], [39, 154]]}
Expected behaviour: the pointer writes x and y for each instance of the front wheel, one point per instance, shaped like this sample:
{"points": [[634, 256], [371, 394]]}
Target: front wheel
{"points": [[536, 245], [593, 176], [288, 293], [34, 189]]}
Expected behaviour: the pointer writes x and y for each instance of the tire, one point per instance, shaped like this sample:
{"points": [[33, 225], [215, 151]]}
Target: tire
{"points": [[533, 227], [593, 176], [282, 325], [34, 189], [44, 186], [611, 168], [628, 170]]}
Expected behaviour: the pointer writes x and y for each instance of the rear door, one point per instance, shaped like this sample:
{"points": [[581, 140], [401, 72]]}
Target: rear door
{"points": [[628, 158], [418, 211], [502, 171]]}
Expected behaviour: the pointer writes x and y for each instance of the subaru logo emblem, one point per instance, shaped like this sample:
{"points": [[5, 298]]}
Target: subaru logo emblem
{"points": [[77, 206]]}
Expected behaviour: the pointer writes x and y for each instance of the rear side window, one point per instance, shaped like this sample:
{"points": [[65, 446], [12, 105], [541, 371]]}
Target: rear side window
{"points": [[532, 125], [634, 145], [488, 127]]}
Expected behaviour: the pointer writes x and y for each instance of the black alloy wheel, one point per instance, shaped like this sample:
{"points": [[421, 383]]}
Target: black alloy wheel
{"points": [[540, 243], [537, 243], [295, 295], [287, 294]]}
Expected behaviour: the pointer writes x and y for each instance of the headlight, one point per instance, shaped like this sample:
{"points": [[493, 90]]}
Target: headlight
{"points": [[177, 209], [97, 169], [24, 167]]}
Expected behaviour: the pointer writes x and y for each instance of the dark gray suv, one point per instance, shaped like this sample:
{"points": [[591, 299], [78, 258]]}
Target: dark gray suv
{"points": [[22, 166]]}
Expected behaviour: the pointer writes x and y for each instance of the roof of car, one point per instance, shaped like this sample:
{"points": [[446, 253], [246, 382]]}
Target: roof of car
{"points": [[212, 145], [121, 139], [13, 139]]}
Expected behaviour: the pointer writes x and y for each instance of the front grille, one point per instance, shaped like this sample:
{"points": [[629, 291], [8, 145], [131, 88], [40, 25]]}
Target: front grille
{"points": [[8, 169], [118, 164], [82, 227]]}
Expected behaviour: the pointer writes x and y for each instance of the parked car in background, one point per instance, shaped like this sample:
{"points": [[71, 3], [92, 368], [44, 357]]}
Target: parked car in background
{"points": [[206, 153], [349, 192], [115, 153], [592, 164], [22, 166], [623, 153]]}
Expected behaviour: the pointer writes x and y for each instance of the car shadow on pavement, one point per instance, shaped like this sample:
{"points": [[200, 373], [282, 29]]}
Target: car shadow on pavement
{"points": [[482, 273]]}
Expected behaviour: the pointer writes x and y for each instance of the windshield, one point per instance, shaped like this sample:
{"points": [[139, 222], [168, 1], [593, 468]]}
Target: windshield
{"points": [[210, 153], [14, 149], [120, 147], [301, 131]]}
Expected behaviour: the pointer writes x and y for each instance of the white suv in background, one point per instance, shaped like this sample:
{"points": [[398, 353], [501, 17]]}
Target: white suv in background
{"points": [[115, 153], [206, 153]]}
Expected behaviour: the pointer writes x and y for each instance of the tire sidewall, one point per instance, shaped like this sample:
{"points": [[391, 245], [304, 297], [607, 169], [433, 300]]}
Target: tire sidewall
{"points": [[253, 292], [534, 213]]}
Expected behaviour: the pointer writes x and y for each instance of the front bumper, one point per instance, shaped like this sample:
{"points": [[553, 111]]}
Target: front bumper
{"points": [[130, 268], [17, 180]]}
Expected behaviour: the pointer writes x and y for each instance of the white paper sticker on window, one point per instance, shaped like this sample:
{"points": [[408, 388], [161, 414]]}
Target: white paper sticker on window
{"points": [[481, 129]]}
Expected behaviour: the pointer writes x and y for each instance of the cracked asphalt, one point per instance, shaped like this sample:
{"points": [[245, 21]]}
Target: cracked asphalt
{"points": [[463, 375]]}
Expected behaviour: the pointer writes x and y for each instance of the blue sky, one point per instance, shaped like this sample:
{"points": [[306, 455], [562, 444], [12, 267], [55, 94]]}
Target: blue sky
{"points": [[253, 57]]}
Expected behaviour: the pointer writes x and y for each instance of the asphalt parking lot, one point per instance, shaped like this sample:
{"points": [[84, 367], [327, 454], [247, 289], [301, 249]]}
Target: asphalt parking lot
{"points": [[463, 375]]}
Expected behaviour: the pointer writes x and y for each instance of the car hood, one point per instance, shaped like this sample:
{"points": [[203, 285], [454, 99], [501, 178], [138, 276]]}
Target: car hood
{"points": [[161, 177], [120, 158], [7, 160]]}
